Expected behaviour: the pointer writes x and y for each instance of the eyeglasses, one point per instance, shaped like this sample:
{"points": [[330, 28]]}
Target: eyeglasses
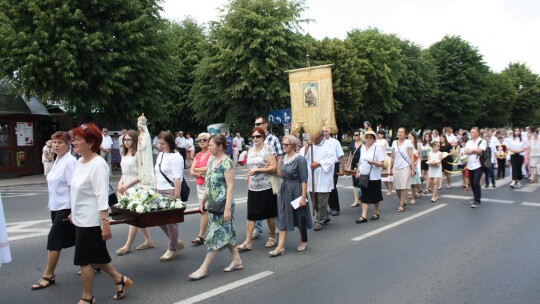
{"points": [[203, 140], [356, 134], [256, 136], [128, 139], [258, 124], [285, 145]]}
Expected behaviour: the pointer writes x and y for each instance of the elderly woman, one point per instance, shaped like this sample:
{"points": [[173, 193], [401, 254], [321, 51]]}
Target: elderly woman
{"points": [[130, 178], [371, 161], [262, 203], [90, 215], [198, 170], [219, 189], [169, 170], [401, 166], [294, 173], [62, 233]]}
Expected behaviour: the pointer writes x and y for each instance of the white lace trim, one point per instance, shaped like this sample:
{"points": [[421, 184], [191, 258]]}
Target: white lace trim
{"points": [[288, 161]]}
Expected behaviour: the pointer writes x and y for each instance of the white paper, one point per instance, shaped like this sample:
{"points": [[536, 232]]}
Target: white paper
{"points": [[296, 203]]}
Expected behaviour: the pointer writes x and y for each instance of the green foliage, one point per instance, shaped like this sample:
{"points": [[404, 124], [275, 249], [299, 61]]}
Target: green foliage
{"points": [[99, 56], [242, 75], [526, 106], [462, 77], [501, 95]]}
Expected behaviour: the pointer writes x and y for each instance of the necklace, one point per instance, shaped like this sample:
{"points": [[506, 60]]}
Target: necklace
{"points": [[288, 161]]}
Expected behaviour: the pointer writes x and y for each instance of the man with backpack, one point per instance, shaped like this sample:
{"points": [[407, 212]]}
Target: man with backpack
{"points": [[474, 149]]}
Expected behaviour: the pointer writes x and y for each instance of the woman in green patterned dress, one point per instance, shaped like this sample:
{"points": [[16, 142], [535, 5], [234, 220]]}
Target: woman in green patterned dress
{"points": [[219, 187]]}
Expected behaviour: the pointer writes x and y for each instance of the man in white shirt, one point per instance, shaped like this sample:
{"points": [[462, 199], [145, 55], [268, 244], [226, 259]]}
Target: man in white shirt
{"points": [[474, 147], [238, 146], [339, 166], [106, 147], [180, 142], [322, 163]]}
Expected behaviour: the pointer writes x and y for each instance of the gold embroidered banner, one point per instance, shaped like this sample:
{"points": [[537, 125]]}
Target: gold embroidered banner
{"points": [[312, 100]]}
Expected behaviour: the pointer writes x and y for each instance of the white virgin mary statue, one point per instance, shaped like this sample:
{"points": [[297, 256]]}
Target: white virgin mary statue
{"points": [[144, 151]]}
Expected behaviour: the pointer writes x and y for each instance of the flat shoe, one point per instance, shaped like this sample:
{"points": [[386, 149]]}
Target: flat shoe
{"points": [[271, 242], [355, 204], [233, 268], [144, 246], [244, 247], [194, 277], [168, 256], [122, 251], [302, 247], [38, 284]]}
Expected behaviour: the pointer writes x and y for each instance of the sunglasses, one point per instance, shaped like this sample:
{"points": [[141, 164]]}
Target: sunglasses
{"points": [[258, 124], [203, 140], [256, 136]]}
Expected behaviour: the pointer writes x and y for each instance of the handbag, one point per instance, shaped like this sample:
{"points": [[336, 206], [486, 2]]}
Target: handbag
{"points": [[276, 183], [184, 188], [363, 180], [113, 199], [215, 207]]}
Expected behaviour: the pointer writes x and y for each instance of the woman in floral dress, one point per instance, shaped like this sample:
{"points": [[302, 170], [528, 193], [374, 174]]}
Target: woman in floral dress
{"points": [[219, 187]]}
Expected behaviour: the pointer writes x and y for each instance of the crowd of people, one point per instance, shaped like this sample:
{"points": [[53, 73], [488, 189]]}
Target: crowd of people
{"points": [[287, 179]]}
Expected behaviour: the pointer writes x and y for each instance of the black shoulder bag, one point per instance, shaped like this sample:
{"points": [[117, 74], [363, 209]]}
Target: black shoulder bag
{"points": [[184, 188]]}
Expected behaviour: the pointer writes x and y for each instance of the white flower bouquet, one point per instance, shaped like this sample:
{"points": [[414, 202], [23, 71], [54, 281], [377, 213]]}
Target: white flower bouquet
{"points": [[141, 200]]}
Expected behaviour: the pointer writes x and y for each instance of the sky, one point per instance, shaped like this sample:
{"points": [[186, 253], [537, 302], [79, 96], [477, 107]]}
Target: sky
{"points": [[503, 31]]}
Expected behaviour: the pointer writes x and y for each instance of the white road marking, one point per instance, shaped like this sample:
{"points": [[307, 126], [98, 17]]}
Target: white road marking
{"points": [[18, 195], [490, 200], [225, 288], [530, 204], [462, 197], [395, 224], [528, 188], [21, 227]]}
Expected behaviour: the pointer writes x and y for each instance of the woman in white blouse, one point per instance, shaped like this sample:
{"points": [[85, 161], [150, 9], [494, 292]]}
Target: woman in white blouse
{"points": [[62, 233], [401, 166], [130, 178], [90, 213], [190, 149], [517, 146], [169, 171]]}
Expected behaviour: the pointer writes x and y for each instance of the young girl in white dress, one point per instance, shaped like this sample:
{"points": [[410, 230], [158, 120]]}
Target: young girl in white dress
{"points": [[435, 169]]}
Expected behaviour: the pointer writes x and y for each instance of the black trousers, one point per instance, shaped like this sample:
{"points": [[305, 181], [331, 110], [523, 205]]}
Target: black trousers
{"points": [[333, 201], [516, 161], [474, 178], [183, 153], [501, 171]]}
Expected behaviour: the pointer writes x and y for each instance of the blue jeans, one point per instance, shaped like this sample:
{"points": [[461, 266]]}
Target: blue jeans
{"points": [[490, 173], [258, 226]]}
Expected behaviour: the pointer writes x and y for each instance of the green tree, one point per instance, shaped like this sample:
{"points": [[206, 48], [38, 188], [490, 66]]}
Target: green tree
{"points": [[242, 75], [527, 99], [348, 84], [501, 95], [382, 66], [187, 42], [462, 76], [107, 57]]}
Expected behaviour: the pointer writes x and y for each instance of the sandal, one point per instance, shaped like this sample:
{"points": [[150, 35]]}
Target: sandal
{"points": [[38, 284], [244, 247], [271, 242], [126, 283], [360, 220], [198, 241], [374, 217], [401, 209], [91, 300]]}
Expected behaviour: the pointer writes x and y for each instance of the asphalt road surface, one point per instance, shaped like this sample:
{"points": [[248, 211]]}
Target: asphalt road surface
{"points": [[443, 252]]}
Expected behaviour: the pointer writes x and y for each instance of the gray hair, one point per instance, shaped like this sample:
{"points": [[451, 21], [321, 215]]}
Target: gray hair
{"points": [[293, 140]]}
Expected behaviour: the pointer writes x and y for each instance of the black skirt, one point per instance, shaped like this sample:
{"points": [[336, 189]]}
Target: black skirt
{"points": [[62, 233], [261, 205], [90, 248], [373, 193]]}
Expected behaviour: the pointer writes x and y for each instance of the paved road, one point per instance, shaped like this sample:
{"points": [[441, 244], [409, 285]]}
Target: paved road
{"points": [[432, 253]]}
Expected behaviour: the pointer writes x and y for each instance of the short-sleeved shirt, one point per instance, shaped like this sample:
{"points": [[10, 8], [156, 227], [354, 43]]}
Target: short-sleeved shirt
{"points": [[473, 160], [374, 153], [107, 142], [172, 165], [59, 181], [259, 159], [336, 147], [401, 154], [273, 141]]}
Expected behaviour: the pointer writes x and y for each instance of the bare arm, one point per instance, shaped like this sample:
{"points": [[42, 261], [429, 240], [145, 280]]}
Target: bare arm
{"points": [[229, 180]]}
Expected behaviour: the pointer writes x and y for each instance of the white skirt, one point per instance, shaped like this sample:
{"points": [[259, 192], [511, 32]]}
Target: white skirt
{"points": [[402, 178]]}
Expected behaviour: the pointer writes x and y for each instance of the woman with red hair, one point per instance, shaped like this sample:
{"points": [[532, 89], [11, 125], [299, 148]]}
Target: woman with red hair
{"points": [[89, 213]]}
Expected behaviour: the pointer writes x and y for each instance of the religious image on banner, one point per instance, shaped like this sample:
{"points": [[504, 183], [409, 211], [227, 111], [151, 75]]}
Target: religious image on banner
{"points": [[311, 93], [312, 100]]}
